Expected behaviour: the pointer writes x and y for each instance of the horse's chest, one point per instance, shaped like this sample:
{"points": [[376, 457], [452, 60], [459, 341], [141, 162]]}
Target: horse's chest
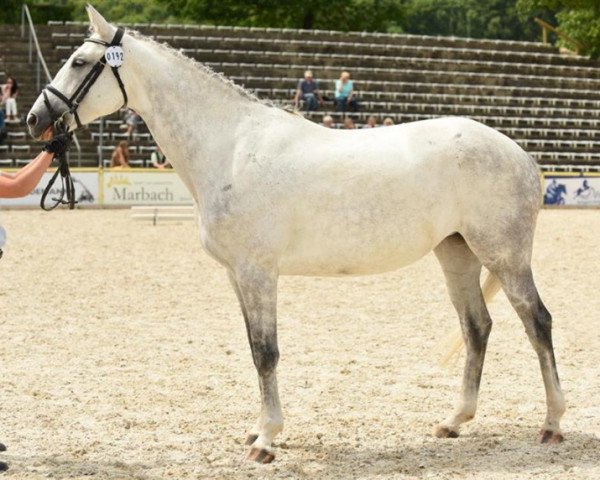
{"points": [[226, 233]]}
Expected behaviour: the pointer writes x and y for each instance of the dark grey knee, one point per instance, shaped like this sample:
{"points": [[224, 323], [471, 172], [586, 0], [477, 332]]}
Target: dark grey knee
{"points": [[265, 356]]}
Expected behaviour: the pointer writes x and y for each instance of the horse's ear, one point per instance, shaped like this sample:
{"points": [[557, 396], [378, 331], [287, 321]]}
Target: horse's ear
{"points": [[98, 24]]}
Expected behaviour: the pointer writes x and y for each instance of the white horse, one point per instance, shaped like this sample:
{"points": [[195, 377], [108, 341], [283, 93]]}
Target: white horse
{"points": [[279, 195]]}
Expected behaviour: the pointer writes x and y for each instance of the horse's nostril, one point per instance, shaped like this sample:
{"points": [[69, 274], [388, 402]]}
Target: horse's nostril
{"points": [[32, 120]]}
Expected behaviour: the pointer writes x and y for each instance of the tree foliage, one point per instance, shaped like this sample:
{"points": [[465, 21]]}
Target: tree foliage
{"points": [[502, 19], [131, 11], [373, 15], [475, 18], [468, 18], [41, 12], [579, 19]]}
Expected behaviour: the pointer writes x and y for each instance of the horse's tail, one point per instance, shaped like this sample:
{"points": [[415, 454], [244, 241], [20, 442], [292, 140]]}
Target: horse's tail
{"points": [[491, 286]]}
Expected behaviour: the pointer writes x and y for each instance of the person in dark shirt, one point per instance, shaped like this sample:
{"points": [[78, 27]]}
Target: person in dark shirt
{"points": [[308, 90], [159, 160]]}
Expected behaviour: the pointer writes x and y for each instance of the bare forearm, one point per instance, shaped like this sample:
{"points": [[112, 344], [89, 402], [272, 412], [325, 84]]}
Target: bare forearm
{"points": [[26, 179], [31, 165]]}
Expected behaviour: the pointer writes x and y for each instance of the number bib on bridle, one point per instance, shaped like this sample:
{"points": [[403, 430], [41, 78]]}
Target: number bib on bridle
{"points": [[113, 57]]}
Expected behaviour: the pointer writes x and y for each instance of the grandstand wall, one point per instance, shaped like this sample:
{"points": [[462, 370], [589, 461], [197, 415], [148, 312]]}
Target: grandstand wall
{"points": [[548, 102]]}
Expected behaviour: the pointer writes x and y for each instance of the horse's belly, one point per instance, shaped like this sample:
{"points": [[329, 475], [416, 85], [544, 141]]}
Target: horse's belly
{"points": [[335, 252]]}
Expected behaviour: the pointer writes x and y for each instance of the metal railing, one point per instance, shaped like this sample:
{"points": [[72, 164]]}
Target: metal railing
{"points": [[40, 63], [546, 27]]}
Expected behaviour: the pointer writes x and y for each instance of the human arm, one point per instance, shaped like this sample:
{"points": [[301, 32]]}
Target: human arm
{"points": [[25, 180]]}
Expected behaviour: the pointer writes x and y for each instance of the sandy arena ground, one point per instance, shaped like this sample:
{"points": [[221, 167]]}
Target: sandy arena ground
{"points": [[123, 355]]}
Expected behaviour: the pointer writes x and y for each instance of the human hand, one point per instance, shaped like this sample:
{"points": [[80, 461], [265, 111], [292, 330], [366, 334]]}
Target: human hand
{"points": [[59, 144]]}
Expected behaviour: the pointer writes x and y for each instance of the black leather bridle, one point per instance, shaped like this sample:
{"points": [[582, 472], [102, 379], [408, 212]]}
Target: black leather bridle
{"points": [[67, 193], [89, 80]]}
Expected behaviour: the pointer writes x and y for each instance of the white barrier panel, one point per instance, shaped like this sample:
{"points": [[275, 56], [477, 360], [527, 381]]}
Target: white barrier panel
{"points": [[139, 187], [86, 190], [162, 212], [571, 190]]}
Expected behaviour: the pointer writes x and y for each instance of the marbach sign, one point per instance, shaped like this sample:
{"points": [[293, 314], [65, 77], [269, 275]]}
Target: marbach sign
{"points": [[131, 187]]}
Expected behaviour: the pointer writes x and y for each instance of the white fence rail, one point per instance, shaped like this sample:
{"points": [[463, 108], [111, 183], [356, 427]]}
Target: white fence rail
{"points": [[163, 212]]}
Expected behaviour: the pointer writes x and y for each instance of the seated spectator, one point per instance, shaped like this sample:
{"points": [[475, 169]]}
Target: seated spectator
{"points": [[388, 122], [328, 121], [308, 91], [371, 122], [120, 156], [344, 93], [10, 90], [158, 159], [132, 120], [349, 123]]}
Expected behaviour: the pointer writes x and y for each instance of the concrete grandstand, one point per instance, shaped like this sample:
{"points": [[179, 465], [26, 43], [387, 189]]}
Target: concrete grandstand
{"points": [[548, 102]]}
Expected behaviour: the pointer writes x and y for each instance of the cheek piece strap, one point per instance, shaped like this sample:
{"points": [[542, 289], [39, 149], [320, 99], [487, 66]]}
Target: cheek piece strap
{"points": [[84, 87]]}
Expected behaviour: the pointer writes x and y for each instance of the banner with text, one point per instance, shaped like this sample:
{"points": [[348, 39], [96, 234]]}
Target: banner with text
{"points": [[578, 191], [131, 187], [86, 190]]}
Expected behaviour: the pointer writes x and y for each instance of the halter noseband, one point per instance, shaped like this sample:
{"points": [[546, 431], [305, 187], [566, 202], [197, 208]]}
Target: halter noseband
{"points": [[89, 80]]}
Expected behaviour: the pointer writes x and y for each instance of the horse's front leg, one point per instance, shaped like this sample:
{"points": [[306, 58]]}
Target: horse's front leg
{"points": [[256, 288]]}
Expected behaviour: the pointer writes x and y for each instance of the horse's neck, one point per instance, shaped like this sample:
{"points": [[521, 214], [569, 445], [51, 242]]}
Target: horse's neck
{"points": [[193, 115]]}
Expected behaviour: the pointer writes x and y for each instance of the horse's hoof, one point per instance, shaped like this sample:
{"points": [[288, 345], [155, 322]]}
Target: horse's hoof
{"points": [[550, 437], [444, 432], [2, 447], [260, 455], [3, 467], [250, 439]]}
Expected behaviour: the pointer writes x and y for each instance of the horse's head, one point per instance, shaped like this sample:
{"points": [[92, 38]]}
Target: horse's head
{"points": [[84, 89]]}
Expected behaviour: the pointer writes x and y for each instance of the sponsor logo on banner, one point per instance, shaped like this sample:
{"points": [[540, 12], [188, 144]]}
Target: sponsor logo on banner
{"points": [[86, 191], [144, 188], [576, 191]]}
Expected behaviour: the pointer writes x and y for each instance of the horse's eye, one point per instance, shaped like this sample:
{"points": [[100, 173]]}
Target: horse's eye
{"points": [[77, 63]]}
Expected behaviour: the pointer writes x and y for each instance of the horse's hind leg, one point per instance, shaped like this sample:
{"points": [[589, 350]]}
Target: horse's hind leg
{"points": [[462, 270], [523, 295], [3, 465], [256, 289]]}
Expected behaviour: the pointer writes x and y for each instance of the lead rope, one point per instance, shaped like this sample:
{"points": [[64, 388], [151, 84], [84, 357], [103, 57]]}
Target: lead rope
{"points": [[67, 191]]}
